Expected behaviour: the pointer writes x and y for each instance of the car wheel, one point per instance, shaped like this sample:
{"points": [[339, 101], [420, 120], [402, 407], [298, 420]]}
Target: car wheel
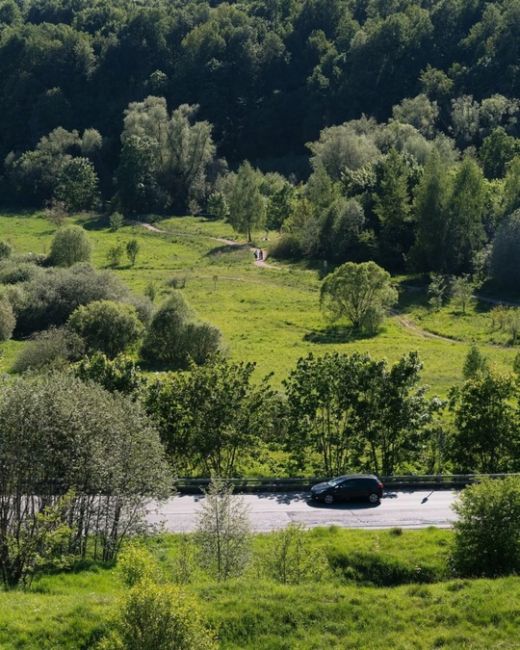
{"points": [[328, 499], [374, 498]]}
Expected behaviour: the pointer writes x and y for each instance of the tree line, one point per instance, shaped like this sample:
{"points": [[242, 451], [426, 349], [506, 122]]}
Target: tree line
{"points": [[362, 141]]}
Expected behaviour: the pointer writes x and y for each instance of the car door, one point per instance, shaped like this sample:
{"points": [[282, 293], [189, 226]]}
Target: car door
{"points": [[345, 489], [355, 489]]}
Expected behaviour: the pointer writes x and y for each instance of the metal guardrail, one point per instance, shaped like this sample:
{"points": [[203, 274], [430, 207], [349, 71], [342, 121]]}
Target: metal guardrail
{"points": [[434, 481]]}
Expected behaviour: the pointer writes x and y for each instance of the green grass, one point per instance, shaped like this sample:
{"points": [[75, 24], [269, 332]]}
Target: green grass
{"points": [[71, 610], [267, 315]]}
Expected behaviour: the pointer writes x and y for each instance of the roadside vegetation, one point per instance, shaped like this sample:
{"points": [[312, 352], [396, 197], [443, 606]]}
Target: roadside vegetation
{"points": [[350, 604]]}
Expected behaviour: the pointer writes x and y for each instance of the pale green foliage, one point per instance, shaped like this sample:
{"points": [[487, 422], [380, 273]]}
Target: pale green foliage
{"points": [[70, 246], [7, 318], [5, 250], [107, 326], [487, 543], [184, 560], [158, 617], [150, 291], [437, 290], [507, 319], [53, 347], [465, 118], [136, 564], [288, 558], [39, 543], [119, 374], [247, 206], [58, 433], [132, 250], [462, 292], [179, 150], [223, 532], [360, 292], [114, 255], [349, 146], [418, 111], [474, 363], [217, 206], [116, 221]]}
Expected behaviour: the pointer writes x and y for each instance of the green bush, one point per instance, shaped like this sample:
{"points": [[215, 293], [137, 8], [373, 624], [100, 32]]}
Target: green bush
{"points": [[14, 272], [202, 342], [53, 295], [7, 318], [54, 347], [107, 326], [116, 221], [174, 338], [115, 375], [378, 569], [5, 250], [487, 532], [70, 246], [157, 617], [135, 564]]}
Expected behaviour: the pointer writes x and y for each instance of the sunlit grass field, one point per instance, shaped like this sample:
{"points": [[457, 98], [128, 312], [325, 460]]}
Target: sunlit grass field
{"points": [[267, 315], [72, 610]]}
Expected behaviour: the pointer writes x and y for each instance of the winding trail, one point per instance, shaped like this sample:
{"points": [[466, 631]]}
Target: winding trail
{"points": [[412, 327], [221, 240], [407, 324]]}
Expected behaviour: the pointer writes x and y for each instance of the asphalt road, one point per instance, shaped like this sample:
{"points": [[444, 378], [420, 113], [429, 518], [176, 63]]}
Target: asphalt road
{"points": [[270, 511]]}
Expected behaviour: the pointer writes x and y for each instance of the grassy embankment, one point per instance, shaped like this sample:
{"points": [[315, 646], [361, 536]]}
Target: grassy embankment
{"points": [[267, 315], [71, 610]]}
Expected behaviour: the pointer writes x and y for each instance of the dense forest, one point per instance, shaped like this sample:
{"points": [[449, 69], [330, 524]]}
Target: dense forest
{"points": [[375, 129]]}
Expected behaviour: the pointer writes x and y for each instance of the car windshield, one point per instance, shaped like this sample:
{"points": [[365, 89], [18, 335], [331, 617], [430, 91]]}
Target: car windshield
{"points": [[337, 481]]}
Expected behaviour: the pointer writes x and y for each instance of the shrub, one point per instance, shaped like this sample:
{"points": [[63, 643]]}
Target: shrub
{"points": [[116, 221], [135, 564], [114, 255], [223, 532], [70, 246], [132, 250], [289, 559], [115, 375], [14, 272], [5, 250], [7, 318], [57, 434], [174, 338], [202, 342], [53, 347], [52, 296], [106, 326], [487, 532], [159, 617]]}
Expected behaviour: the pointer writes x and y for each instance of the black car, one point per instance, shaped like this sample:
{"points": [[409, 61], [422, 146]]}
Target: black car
{"points": [[354, 487]]}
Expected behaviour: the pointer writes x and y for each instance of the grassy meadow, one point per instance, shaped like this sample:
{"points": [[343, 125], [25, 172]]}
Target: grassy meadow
{"points": [[72, 610], [269, 314]]}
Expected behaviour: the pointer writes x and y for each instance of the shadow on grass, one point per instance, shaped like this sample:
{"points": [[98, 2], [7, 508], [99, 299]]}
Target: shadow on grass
{"points": [[227, 248], [337, 334], [94, 222]]}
